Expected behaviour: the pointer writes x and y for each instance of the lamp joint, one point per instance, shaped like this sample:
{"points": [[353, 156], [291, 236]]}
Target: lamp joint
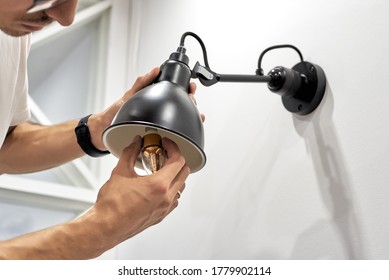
{"points": [[206, 76]]}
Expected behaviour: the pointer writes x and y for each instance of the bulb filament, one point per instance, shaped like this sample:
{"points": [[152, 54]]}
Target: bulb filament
{"points": [[152, 153]]}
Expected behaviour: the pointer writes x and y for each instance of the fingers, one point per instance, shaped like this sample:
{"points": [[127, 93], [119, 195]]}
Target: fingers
{"points": [[146, 80], [192, 91], [172, 175], [192, 88], [174, 157], [177, 167], [127, 160], [178, 185], [180, 191], [142, 82], [175, 196]]}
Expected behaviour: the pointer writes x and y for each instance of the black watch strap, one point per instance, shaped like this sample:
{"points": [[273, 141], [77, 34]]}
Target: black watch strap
{"points": [[84, 139]]}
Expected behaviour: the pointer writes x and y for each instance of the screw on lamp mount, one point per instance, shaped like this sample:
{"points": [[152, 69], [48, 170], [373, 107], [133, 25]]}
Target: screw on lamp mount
{"points": [[301, 88]]}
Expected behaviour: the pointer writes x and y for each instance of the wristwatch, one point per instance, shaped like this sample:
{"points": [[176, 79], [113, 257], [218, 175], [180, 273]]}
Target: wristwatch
{"points": [[84, 139]]}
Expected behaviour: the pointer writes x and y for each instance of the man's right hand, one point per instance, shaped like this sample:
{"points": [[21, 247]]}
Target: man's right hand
{"points": [[128, 203]]}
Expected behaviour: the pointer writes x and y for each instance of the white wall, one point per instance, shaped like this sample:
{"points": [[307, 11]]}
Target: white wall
{"points": [[277, 186]]}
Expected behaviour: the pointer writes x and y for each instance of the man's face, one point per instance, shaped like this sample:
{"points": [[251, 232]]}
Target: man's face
{"points": [[15, 21]]}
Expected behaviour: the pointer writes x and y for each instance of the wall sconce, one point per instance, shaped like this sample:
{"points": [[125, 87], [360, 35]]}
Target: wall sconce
{"points": [[165, 108]]}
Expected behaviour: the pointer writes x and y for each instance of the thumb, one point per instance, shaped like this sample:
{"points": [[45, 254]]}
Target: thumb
{"points": [[127, 160]]}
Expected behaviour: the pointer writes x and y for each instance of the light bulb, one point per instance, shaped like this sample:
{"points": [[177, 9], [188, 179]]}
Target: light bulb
{"points": [[152, 153]]}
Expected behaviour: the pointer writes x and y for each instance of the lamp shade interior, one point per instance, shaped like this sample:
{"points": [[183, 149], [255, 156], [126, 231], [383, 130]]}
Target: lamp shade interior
{"points": [[119, 137]]}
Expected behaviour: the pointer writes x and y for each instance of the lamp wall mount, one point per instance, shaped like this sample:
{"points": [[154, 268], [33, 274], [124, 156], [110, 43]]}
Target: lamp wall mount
{"points": [[302, 88]]}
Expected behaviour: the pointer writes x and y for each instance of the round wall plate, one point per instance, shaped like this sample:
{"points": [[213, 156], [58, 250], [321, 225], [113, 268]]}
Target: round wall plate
{"points": [[311, 92]]}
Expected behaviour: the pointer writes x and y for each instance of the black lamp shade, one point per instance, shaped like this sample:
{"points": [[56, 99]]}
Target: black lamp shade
{"points": [[164, 108]]}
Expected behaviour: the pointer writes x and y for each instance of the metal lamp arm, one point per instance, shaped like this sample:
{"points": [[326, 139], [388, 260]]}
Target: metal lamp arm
{"points": [[301, 88], [207, 77]]}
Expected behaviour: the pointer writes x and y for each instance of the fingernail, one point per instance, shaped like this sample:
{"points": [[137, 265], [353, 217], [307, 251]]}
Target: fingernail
{"points": [[193, 99], [136, 139], [164, 139]]}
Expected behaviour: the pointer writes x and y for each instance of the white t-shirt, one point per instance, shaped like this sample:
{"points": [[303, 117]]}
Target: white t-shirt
{"points": [[13, 82]]}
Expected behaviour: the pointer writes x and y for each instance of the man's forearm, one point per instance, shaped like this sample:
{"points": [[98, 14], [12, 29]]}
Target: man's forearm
{"points": [[32, 147], [78, 239], [126, 205]]}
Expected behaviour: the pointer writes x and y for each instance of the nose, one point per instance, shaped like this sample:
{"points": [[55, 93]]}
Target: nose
{"points": [[63, 13]]}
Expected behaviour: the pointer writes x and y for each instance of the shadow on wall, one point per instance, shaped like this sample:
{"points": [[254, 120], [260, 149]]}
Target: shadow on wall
{"points": [[339, 236]]}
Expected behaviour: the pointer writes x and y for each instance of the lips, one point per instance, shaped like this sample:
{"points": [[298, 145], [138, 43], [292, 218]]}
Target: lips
{"points": [[34, 25], [31, 28]]}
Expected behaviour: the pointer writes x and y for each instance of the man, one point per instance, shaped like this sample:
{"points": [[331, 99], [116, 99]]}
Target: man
{"points": [[126, 204]]}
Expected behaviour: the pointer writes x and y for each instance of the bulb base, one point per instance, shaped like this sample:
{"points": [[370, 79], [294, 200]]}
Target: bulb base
{"points": [[152, 139]]}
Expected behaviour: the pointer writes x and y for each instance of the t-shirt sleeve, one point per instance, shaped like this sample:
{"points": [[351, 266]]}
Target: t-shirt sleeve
{"points": [[22, 111]]}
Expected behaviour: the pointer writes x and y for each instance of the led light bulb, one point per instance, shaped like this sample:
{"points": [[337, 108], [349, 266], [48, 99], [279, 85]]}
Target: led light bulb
{"points": [[152, 153]]}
